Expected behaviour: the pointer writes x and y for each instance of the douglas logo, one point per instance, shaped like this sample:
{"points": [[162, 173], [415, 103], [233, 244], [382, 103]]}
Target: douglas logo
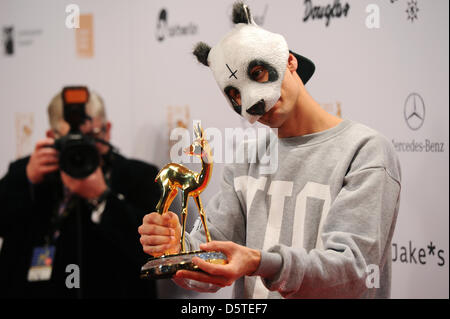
{"points": [[336, 10], [163, 30]]}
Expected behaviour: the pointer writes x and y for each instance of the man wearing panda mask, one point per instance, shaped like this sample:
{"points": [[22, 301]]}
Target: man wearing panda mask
{"points": [[320, 224], [249, 65]]}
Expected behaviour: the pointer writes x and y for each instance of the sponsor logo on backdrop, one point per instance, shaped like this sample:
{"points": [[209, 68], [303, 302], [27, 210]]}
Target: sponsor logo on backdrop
{"points": [[26, 37], [414, 111], [419, 146], [24, 123], [12, 38], [8, 40], [325, 12], [424, 254], [373, 19], [414, 119], [412, 10], [165, 30], [84, 36]]}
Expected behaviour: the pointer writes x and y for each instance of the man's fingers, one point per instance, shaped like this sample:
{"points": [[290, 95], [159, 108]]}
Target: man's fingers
{"points": [[44, 142], [154, 218], [48, 160], [156, 240], [153, 229], [170, 216], [226, 247], [210, 268], [49, 169], [157, 236], [168, 219], [47, 151], [157, 251]]}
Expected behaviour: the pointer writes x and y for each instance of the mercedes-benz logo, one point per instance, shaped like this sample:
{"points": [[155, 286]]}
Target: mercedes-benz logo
{"points": [[414, 111]]}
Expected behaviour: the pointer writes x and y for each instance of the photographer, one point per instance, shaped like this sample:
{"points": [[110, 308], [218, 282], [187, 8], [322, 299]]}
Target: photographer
{"points": [[70, 211]]}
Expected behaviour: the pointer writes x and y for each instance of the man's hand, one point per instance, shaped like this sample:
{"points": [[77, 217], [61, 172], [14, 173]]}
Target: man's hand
{"points": [[43, 161], [160, 234], [91, 187], [242, 261]]}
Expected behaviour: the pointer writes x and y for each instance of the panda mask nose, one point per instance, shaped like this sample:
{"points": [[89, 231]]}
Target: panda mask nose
{"points": [[258, 108]]}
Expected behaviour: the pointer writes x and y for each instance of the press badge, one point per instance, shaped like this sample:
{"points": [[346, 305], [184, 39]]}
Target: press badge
{"points": [[41, 263]]}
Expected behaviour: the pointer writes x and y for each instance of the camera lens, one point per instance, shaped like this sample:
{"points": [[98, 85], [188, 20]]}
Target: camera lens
{"points": [[79, 158]]}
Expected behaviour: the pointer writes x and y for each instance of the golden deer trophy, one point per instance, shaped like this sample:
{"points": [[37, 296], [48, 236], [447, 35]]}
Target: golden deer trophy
{"points": [[173, 178]]}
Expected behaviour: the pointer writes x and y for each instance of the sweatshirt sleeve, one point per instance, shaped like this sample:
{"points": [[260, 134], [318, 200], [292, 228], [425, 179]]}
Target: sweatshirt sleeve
{"points": [[356, 234]]}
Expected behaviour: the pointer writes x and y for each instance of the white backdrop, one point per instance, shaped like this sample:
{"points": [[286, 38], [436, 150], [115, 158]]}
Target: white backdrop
{"points": [[140, 62]]}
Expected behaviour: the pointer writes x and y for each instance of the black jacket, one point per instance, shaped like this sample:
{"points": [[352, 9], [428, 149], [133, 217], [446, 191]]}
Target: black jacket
{"points": [[108, 253]]}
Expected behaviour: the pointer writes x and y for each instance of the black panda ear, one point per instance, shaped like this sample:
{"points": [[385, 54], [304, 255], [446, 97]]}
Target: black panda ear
{"points": [[201, 51], [241, 13]]}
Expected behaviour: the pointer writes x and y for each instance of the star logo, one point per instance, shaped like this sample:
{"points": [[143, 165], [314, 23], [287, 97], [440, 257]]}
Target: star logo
{"points": [[431, 248], [412, 10], [414, 111]]}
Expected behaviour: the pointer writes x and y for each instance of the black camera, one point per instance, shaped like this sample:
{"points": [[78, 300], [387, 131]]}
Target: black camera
{"points": [[78, 155]]}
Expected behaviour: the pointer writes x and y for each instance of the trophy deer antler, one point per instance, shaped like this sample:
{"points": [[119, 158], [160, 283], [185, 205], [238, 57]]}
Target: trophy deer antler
{"points": [[175, 176]]}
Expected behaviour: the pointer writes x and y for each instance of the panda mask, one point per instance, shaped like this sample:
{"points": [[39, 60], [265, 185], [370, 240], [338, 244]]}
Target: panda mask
{"points": [[249, 64]]}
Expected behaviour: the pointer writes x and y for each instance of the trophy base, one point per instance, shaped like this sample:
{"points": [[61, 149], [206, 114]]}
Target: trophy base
{"points": [[166, 266]]}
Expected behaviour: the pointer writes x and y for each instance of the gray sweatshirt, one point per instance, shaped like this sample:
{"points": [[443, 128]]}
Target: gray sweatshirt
{"points": [[323, 220]]}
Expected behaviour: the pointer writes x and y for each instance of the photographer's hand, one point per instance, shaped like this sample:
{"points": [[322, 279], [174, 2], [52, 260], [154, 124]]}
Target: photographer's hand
{"points": [[91, 187], [43, 161]]}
